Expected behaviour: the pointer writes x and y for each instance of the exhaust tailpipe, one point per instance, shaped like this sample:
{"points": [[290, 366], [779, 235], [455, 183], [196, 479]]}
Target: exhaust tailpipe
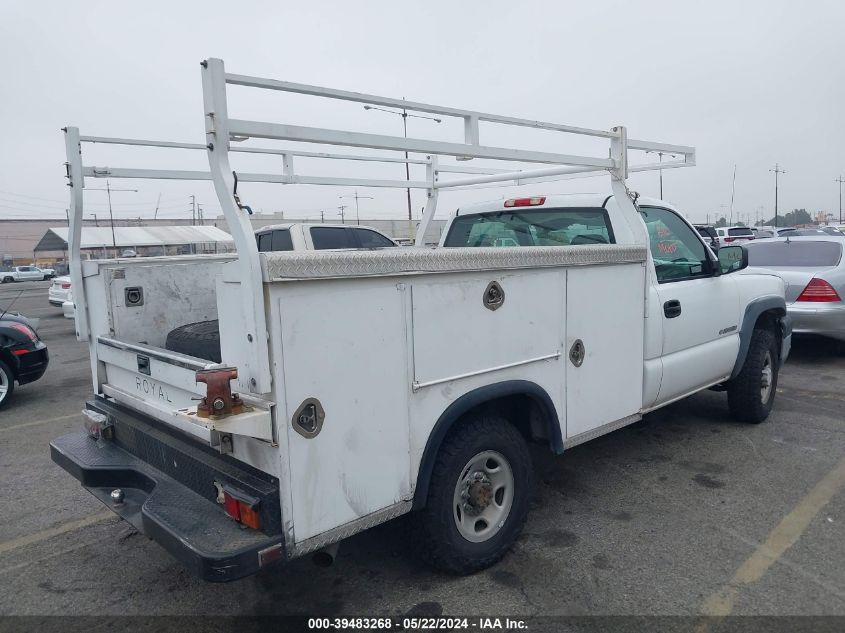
{"points": [[325, 557]]}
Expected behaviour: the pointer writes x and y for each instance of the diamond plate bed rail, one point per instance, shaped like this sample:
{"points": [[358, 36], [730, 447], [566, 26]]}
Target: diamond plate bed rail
{"points": [[281, 266]]}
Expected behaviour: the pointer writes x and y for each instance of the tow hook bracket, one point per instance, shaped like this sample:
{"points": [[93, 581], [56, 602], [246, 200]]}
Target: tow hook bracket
{"points": [[219, 400]]}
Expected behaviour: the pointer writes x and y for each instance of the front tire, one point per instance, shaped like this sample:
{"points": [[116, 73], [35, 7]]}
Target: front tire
{"points": [[752, 393], [478, 496], [7, 384]]}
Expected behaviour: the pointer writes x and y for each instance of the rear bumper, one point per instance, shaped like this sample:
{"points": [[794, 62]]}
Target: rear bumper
{"points": [[32, 365], [178, 510], [825, 320]]}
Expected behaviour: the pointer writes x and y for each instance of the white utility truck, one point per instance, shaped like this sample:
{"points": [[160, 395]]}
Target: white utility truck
{"points": [[357, 386]]}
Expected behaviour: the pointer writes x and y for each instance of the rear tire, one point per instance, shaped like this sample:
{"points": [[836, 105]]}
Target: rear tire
{"points": [[201, 339], [8, 280], [752, 393], [7, 384], [477, 498]]}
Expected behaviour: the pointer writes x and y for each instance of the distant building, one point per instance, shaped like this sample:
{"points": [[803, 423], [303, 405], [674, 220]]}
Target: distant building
{"points": [[18, 238], [135, 241]]}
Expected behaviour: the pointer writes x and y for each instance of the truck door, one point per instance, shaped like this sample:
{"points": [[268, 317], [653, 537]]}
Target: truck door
{"points": [[699, 309]]}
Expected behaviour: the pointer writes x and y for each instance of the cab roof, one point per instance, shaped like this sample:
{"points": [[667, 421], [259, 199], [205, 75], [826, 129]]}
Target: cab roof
{"points": [[556, 201]]}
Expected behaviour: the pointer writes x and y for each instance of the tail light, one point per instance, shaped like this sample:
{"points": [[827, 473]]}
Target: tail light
{"points": [[239, 506], [525, 202], [65, 285], [26, 330], [728, 240], [96, 424], [818, 290]]}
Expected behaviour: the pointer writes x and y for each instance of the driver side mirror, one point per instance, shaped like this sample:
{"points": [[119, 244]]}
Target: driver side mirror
{"points": [[732, 259]]}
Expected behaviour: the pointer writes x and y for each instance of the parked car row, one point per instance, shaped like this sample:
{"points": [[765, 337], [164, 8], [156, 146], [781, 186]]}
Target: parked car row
{"points": [[717, 237]]}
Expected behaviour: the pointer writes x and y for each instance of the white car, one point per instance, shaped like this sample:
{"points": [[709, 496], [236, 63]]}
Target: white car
{"points": [[302, 236], [728, 234], [59, 291], [24, 273]]}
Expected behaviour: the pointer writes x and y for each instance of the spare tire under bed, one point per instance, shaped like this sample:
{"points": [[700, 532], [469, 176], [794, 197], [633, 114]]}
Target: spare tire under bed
{"points": [[201, 339]]}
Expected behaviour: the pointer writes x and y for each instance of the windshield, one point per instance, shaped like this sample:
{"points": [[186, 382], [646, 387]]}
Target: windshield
{"points": [[794, 253], [540, 227]]}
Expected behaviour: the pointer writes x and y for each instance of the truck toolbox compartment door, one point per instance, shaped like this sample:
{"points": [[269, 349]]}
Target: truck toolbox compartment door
{"points": [[344, 345], [604, 310]]}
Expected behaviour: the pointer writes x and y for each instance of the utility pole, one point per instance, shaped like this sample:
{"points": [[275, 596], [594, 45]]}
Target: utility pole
{"points": [[733, 190], [158, 202], [357, 197], [660, 170], [322, 217], [193, 210], [840, 180], [108, 191], [777, 171], [199, 215], [342, 207], [404, 114]]}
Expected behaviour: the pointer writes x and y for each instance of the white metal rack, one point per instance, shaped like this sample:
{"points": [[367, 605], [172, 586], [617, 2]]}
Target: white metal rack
{"points": [[221, 130]]}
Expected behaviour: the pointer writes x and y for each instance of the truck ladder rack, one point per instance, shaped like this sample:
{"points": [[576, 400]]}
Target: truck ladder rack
{"points": [[222, 131]]}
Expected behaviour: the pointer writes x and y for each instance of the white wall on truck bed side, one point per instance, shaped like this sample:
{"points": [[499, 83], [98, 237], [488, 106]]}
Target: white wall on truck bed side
{"points": [[386, 346], [176, 290]]}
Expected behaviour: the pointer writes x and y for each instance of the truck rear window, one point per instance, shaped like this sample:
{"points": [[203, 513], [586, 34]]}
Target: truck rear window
{"points": [[794, 253], [539, 227]]}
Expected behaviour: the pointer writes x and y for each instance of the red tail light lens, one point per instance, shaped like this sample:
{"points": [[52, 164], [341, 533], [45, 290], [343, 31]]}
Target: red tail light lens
{"points": [[525, 202], [819, 290], [240, 507], [65, 285], [231, 506], [26, 330], [728, 240]]}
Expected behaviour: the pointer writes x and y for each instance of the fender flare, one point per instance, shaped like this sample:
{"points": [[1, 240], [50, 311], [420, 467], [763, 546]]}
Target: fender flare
{"points": [[469, 401], [769, 303]]}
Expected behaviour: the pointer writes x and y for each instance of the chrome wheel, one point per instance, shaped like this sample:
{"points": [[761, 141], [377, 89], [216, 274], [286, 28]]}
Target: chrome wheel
{"points": [[483, 496], [4, 385], [766, 378]]}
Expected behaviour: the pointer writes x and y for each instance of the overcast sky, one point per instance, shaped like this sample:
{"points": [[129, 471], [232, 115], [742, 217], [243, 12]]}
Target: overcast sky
{"points": [[747, 83]]}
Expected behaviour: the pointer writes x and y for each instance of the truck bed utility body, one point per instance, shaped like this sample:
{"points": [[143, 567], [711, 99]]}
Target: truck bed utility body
{"points": [[356, 386]]}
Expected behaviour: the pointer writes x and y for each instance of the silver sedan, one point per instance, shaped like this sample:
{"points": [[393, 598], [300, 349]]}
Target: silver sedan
{"points": [[813, 270]]}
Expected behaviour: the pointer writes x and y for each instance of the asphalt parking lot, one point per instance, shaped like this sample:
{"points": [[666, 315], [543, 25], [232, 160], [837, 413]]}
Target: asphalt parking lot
{"points": [[684, 513]]}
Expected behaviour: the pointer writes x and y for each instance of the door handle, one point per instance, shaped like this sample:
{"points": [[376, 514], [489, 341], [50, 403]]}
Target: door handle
{"points": [[672, 308]]}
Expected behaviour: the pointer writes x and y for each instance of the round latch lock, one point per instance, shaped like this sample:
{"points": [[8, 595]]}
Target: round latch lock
{"points": [[494, 296], [308, 419], [577, 353], [117, 496]]}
